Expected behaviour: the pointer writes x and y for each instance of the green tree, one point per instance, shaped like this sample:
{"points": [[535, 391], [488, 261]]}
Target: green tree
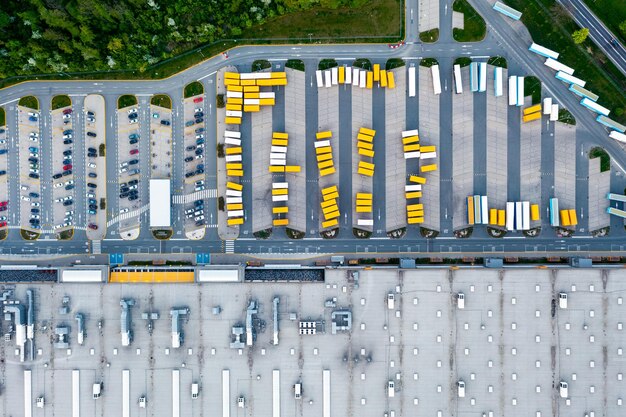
{"points": [[580, 36], [622, 27], [115, 45]]}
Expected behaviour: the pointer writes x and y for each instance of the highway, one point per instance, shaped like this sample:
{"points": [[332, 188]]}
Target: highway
{"points": [[598, 32], [502, 40]]}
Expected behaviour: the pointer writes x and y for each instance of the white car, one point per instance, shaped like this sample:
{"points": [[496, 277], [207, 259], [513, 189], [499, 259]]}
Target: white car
{"points": [[34, 216], [34, 155], [69, 182], [69, 213], [124, 210], [33, 134], [133, 187], [3, 218], [133, 120], [58, 200], [2, 141], [199, 218], [125, 169], [69, 197], [91, 195], [199, 188], [35, 204], [199, 156], [25, 198], [200, 182], [123, 164], [91, 165], [69, 136], [58, 185], [33, 138], [132, 110], [24, 187], [198, 109], [67, 116], [30, 113]]}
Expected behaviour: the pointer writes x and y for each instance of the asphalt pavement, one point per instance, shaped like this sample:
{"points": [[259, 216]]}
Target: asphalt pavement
{"points": [[501, 40]]}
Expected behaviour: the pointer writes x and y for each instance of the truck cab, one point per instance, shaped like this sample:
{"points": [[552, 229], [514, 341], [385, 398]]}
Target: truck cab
{"points": [[391, 388], [195, 391], [562, 300], [97, 390], [563, 389], [297, 391], [391, 301], [461, 388], [460, 300]]}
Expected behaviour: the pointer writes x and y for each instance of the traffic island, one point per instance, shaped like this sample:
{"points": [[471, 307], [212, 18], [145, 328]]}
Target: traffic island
{"points": [[430, 36], [563, 232], [294, 234], [263, 234], [397, 234], [360, 233], [162, 234], [534, 232], [464, 233], [330, 234], [29, 235], [495, 232], [601, 232], [130, 234], [66, 234], [3, 234], [428, 233]]}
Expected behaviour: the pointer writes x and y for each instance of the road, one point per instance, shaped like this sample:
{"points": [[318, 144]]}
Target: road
{"points": [[598, 32], [501, 40]]}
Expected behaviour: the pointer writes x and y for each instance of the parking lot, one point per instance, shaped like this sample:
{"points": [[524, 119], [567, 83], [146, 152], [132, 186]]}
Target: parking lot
{"points": [[194, 166], [64, 143], [95, 165], [128, 137], [4, 180], [160, 142], [29, 145]]}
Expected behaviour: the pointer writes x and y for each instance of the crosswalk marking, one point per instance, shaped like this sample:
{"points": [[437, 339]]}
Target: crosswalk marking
{"points": [[229, 246], [96, 247], [198, 195], [130, 214]]}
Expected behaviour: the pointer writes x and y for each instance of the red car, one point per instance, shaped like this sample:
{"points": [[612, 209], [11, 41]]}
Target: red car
{"points": [[3, 203], [93, 226], [2, 224], [197, 100], [67, 111], [134, 151], [67, 167]]}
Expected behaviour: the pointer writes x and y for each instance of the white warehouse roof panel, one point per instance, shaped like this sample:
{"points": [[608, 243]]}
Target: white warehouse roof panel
{"points": [[160, 203]]}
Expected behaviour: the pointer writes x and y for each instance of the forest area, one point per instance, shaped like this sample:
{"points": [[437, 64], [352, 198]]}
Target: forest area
{"points": [[57, 36]]}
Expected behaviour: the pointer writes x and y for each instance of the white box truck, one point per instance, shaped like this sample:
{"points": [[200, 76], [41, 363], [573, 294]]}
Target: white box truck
{"points": [[562, 300], [563, 388], [461, 388], [460, 300]]}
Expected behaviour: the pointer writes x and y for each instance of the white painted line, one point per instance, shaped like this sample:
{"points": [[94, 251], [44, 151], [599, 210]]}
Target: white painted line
{"points": [[7, 102], [208, 75]]}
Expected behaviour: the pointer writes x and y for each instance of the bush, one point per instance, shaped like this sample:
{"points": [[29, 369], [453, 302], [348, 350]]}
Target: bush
{"points": [[326, 64], [294, 234], [162, 234], [295, 64], [30, 102], [429, 36], [363, 63], [162, 100], [220, 150], [220, 204], [193, 89], [103, 203], [605, 159], [126, 100], [219, 101], [61, 101], [566, 117], [474, 28], [394, 63], [263, 234], [497, 61], [66, 234], [463, 61], [428, 62], [261, 64], [361, 234], [102, 149]]}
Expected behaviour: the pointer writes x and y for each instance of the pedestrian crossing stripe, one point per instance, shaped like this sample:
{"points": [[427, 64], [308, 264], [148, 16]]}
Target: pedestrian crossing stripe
{"points": [[198, 195], [229, 246]]}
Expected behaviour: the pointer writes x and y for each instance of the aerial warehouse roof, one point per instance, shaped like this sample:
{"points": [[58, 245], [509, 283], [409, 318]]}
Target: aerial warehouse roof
{"points": [[160, 203]]}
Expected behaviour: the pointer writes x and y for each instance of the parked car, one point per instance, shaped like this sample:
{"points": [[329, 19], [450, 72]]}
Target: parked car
{"points": [[92, 134], [134, 151], [165, 122], [197, 100], [92, 226]]}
